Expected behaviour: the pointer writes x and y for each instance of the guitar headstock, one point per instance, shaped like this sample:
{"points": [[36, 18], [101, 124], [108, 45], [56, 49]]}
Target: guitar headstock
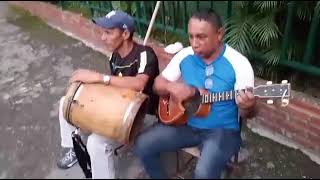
{"points": [[270, 90]]}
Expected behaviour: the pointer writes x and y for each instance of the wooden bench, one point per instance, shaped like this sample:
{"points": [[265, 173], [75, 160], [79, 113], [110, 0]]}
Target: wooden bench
{"points": [[233, 167]]}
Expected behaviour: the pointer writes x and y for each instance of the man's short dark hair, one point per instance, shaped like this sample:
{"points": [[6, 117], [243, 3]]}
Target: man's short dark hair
{"points": [[130, 35], [210, 16]]}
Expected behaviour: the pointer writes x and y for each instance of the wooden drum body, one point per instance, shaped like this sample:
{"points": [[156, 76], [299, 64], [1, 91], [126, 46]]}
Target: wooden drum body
{"points": [[116, 113]]}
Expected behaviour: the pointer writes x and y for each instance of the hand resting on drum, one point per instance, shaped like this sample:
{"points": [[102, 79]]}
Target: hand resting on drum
{"points": [[86, 76], [137, 83]]}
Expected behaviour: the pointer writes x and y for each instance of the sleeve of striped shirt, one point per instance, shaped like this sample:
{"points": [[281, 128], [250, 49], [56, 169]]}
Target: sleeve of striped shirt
{"points": [[111, 60], [148, 63]]}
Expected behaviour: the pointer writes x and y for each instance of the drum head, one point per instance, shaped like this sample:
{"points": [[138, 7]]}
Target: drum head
{"points": [[71, 91], [138, 123]]}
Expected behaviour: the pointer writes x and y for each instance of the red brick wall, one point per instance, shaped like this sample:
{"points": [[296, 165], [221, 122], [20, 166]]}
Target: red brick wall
{"points": [[300, 121]]}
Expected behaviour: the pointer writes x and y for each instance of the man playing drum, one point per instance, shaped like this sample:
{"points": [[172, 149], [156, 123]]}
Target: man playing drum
{"points": [[133, 66]]}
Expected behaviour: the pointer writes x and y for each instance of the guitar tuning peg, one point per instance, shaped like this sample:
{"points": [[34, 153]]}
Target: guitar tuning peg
{"points": [[284, 102], [270, 101], [284, 81], [269, 82]]}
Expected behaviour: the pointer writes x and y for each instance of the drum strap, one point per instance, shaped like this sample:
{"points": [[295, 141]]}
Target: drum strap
{"points": [[82, 154], [117, 149]]}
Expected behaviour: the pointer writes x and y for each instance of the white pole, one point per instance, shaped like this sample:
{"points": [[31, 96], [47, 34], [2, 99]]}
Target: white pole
{"points": [[151, 22]]}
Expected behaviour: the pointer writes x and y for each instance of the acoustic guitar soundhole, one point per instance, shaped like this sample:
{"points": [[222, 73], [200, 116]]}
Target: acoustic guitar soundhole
{"points": [[191, 105]]}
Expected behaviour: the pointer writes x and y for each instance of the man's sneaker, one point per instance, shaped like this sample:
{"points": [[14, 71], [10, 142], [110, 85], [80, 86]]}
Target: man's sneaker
{"points": [[68, 160]]}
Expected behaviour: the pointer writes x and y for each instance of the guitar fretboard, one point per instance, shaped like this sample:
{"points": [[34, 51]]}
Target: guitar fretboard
{"points": [[262, 91], [220, 96]]}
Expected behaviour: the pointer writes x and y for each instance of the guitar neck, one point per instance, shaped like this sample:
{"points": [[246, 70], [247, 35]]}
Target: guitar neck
{"points": [[261, 91], [219, 96]]}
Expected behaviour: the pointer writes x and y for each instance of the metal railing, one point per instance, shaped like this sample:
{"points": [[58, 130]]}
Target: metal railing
{"points": [[173, 16]]}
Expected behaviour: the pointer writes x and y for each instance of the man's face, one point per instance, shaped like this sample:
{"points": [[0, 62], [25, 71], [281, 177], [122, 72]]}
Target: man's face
{"points": [[204, 37], [113, 38]]}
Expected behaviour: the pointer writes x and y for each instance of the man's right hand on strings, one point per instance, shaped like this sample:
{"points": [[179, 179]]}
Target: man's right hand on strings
{"points": [[180, 91]]}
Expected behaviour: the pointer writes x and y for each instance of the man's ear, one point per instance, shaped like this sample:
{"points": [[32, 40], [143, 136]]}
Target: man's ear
{"points": [[221, 34], [126, 34]]}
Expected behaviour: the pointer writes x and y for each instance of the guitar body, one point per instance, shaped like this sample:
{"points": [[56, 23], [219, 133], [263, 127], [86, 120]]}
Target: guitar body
{"points": [[203, 110], [173, 113]]}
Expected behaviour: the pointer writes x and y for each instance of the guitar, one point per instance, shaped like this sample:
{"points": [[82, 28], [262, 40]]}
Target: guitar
{"points": [[173, 113]]}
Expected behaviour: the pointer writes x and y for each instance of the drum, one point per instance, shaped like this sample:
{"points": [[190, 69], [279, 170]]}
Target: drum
{"points": [[116, 113]]}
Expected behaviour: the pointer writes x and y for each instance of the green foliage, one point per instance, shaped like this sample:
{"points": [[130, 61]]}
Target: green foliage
{"points": [[265, 6], [78, 7], [304, 10], [317, 9], [264, 30], [99, 8], [239, 29], [127, 6], [258, 26]]}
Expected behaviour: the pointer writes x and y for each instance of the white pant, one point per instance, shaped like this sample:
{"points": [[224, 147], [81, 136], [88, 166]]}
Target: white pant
{"points": [[100, 149]]}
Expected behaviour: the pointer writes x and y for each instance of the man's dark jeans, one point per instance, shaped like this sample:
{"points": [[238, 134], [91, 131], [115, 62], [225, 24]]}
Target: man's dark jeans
{"points": [[217, 148]]}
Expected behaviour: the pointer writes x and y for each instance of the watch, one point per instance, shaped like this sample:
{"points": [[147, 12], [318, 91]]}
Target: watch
{"points": [[106, 79]]}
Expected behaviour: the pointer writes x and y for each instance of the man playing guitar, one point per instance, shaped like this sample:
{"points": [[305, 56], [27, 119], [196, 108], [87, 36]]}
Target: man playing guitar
{"points": [[209, 64]]}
